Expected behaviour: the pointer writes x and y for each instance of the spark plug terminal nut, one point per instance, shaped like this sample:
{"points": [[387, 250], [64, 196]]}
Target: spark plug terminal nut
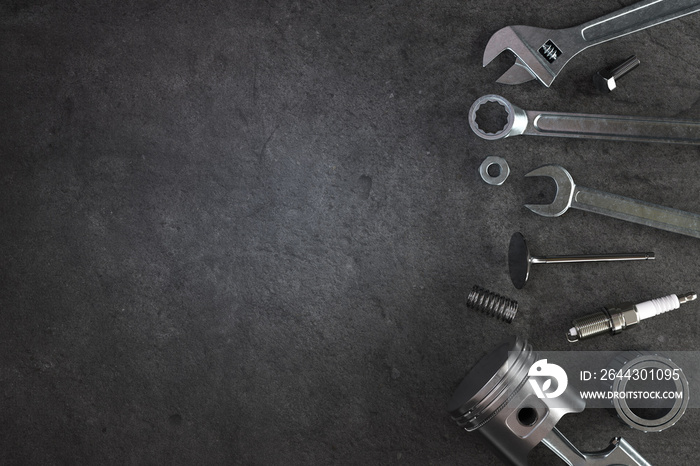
{"points": [[622, 316]]}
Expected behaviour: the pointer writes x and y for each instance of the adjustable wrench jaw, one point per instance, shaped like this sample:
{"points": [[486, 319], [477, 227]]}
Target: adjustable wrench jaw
{"points": [[538, 53], [565, 191]]}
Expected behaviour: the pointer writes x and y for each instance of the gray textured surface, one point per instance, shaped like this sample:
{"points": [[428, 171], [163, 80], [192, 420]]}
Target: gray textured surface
{"points": [[243, 231]]}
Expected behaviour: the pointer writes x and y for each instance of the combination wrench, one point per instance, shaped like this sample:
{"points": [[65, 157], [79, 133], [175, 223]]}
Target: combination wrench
{"points": [[587, 126], [613, 205]]}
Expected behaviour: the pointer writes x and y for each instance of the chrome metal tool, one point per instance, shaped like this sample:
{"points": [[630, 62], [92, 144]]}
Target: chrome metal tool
{"points": [[581, 125], [542, 53], [613, 205]]}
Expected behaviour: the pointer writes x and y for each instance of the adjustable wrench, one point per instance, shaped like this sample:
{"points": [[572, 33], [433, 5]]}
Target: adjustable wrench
{"points": [[612, 205], [579, 125], [542, 53]]}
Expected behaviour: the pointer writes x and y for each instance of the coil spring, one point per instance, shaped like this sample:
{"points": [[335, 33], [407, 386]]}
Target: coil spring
{"points": [[550, 51], [492, 304]]}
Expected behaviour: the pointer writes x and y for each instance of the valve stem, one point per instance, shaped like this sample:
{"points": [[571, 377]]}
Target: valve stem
{"points": [[618, 318]]}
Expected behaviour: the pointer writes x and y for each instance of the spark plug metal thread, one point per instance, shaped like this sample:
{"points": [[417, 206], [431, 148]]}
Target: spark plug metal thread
{"points": [[592, 325], [492, 304]]}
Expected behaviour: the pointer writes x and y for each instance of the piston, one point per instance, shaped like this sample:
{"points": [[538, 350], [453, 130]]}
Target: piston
{"points": [[502, 398]]}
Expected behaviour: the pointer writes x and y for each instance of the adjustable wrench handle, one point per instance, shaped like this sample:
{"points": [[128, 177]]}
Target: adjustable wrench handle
{"points": [[632, 210], [634, 18]]}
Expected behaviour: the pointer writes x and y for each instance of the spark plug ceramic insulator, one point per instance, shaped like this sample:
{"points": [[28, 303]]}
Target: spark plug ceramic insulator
{"points": [[616, 319]]}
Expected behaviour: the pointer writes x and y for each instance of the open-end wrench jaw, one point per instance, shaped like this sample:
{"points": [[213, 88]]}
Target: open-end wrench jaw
{"points": [[613, 205], [565, 191]]}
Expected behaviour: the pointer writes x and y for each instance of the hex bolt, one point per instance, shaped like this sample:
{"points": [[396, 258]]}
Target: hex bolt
{"points": [[606, 80]]}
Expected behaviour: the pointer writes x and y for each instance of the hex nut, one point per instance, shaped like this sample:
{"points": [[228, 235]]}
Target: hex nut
{"points": [[504, 170]]}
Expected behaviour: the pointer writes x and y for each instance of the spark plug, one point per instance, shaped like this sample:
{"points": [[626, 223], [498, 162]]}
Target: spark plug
{"points": [[618, 318]]}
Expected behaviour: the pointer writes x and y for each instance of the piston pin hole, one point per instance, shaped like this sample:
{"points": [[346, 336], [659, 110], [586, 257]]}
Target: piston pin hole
{"points": [[527, 416]]}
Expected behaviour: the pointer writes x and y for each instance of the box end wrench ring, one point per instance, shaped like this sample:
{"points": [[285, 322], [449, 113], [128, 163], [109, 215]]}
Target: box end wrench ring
{"points": [[644, 213]]}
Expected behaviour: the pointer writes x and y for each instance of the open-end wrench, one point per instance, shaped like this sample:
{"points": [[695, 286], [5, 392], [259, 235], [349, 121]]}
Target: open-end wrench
{"points": [[542, 53], [579, 125], [591, 200]]}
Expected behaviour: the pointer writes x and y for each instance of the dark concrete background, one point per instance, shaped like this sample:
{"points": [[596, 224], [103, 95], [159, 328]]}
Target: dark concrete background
{"points": [[244, 231]]}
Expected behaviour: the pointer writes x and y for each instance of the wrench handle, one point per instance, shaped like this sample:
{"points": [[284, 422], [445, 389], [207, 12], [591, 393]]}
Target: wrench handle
{"points": [[632, 210], [618, 452], [634, 18], [612, 127]]}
